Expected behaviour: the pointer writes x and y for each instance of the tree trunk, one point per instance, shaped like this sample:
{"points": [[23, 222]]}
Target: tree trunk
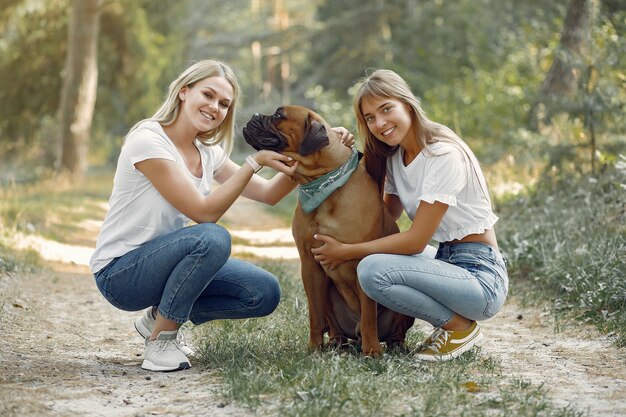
{"points": [[562, 80], [78, 94], [564, 74]]}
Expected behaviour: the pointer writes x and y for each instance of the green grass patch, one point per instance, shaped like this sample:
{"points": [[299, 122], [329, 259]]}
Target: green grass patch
{"points": [[17, 261], [52, 208], [265, 365], [566, 246]]}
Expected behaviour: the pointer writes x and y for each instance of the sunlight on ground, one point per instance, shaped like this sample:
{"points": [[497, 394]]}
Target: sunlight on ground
{"points": [[282, 252], [280, 235], [54, 251], [59, 252]]}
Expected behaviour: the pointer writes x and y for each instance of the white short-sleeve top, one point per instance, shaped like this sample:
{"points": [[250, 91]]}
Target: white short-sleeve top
{"points": [[137, 211], [441, 172]]}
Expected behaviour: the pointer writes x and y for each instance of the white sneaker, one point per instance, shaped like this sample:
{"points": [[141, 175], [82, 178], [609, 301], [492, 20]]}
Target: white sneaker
{"points": [[145, 324], [163, 354]]}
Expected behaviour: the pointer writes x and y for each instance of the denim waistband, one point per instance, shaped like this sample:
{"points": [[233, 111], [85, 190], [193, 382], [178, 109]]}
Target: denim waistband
{"points": [[448, 249]]}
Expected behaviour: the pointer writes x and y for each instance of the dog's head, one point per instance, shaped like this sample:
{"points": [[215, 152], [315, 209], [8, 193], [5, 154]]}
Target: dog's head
{"points": [[289, 129], [300, 133]]}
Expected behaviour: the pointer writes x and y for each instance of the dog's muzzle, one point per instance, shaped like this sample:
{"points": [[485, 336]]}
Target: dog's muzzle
{"points": [[260, 133]]}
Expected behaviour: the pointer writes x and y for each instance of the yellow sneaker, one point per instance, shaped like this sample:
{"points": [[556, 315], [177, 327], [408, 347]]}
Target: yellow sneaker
{"points": [[444, 345]]}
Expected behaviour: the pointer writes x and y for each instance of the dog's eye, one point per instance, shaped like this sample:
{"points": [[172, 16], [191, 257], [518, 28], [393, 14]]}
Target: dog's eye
{"points": [[279, 114]]}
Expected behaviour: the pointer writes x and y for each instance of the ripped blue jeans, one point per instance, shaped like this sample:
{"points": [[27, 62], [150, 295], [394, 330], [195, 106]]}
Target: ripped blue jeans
{"points": [[469, 279]]}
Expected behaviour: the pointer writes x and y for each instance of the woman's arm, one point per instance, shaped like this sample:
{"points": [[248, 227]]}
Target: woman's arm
{"points": [[258, 188], [273, 190], [174, 185], [414, 240], [394, 205]]}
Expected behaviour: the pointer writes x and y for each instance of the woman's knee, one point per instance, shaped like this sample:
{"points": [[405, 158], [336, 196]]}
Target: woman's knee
{"points": [[369, 274], [213, 239], [268, 297]]}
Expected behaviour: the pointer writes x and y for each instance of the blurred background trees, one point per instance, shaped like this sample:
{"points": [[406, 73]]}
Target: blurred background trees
{"points": [[493, 70]]}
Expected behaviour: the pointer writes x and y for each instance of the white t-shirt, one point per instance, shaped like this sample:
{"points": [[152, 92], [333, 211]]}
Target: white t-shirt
{"points": [[440, 173], [137, 211]]}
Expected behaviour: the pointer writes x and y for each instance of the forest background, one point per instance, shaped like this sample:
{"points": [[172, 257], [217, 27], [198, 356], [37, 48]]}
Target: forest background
{"points": [[536, 88]]}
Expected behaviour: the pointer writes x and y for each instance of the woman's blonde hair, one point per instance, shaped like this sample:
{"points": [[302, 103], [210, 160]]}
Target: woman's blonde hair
{"points": [[168, 112], [383, 83]]}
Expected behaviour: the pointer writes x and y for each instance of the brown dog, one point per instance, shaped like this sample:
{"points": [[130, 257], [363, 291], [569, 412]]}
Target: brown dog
{"points": [[353, 212]]}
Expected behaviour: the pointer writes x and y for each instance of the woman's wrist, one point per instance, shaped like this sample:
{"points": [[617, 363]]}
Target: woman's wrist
{"points": [[351, 251], [256, 167]]}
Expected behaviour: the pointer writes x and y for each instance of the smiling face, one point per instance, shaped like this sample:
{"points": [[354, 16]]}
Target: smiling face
{"points": [[388, 119], [205, 104]]}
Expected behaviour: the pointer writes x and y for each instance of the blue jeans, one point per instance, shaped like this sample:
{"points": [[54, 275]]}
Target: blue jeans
{"points": [[468, 279], [189, 275]]}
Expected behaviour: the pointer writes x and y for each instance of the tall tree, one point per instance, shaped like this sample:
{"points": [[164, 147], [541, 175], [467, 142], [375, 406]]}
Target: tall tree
{"points": [[78, 94], [563, 79]]}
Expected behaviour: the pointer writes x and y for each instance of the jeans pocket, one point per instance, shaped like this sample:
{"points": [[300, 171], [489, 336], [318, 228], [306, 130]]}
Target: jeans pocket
{"points": [[469, 261]]}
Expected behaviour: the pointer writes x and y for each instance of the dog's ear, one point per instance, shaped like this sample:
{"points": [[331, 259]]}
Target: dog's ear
{"points": [[314, 139]]}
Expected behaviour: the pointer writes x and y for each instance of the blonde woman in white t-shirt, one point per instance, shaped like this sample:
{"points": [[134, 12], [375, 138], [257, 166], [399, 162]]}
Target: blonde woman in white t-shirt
{"points": [[425, 169], [147, 256]]}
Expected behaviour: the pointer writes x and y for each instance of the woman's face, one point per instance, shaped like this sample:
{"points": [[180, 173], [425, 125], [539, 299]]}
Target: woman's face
{"points": [[388, 119], [206, 104]]}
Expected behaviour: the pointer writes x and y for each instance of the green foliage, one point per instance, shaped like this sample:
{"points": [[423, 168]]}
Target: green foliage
{"points": [[476, 65], [568, 240], [139, 55], [32, 54], [140, 51]]}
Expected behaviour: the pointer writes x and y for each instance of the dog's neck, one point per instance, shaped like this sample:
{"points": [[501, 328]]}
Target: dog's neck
{"points": [[334, 155], [312, 194]]}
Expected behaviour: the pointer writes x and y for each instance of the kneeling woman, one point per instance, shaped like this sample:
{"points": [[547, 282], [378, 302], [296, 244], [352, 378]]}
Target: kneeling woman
{"points": [[429, 172], [145, 257]]}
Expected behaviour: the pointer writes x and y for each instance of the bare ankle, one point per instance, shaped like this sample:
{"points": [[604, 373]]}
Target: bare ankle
{"points": [[457, 322]]}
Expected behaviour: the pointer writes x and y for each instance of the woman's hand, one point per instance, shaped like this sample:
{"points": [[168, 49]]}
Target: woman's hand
{"points": [[332, 253], [347, 138], [276, 161]]}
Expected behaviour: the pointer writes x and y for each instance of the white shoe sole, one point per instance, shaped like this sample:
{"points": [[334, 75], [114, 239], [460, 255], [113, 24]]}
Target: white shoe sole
{"points": [[147, 365], [466, 347]]}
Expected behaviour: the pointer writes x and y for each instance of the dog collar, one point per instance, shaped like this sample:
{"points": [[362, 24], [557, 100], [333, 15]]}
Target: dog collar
{"points": [[313, 193]]}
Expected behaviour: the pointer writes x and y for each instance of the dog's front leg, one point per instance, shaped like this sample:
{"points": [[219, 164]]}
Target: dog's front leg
{"points": [[369, 326], [316, 287]]}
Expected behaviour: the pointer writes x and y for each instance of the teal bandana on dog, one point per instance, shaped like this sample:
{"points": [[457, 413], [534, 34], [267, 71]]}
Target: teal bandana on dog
{"points": [[314, 193]]}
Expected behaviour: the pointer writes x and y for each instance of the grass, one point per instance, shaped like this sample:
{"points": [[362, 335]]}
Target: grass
{"points": [[17, 261], [53, 209], [566, 245], [50, 208], [264, 364]]}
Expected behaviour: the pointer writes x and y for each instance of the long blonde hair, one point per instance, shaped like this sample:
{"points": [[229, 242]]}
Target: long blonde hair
{"points": [[168, 112], [383, 83]]}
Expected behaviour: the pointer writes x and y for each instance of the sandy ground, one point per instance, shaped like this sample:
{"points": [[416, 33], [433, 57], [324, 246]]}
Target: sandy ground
{"points": [[65, 351]]}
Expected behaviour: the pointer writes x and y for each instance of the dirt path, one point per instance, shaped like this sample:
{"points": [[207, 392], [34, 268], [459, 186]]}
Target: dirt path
{"points": [[66, 352]]}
